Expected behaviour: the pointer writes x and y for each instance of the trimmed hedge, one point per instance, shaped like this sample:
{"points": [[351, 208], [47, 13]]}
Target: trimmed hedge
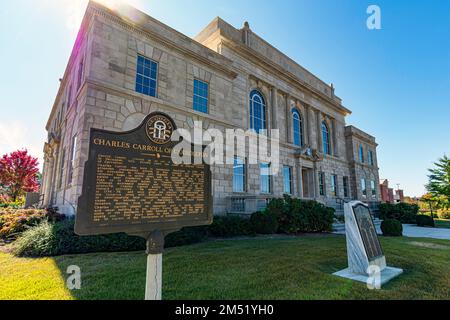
{"points": [[403, 212], [230, 226], [424, 221], [264, 223], [282, 215], [392, 228], [58, 238], [296, 215], [51, 239]]}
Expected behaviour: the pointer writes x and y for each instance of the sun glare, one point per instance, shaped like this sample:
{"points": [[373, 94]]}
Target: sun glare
{"points": [[73, 10]]}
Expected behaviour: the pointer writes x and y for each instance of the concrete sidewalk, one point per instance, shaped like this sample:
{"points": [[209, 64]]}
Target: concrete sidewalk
{"points": [[413, 231]]}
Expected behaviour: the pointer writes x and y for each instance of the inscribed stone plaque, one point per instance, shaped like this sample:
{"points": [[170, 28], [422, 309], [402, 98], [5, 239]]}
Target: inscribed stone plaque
{"points": [[132, 185], [368, 232]]}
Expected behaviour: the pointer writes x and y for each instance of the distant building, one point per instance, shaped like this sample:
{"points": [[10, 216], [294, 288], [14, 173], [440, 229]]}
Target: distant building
{"points": [[387, 194]]}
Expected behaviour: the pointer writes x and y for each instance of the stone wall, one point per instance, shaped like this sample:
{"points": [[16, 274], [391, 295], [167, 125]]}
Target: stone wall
{"points": [[108, 47]]}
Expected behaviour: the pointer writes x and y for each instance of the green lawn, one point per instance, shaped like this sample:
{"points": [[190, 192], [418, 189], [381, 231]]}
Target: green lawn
{"points": [[260, 268], [442, 223]]}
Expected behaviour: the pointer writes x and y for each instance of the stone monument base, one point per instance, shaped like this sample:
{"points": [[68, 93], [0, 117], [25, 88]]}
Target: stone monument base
{"points": [[387, 274]]}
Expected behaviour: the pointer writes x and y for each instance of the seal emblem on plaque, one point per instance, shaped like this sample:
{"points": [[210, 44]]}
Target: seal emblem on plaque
{"points": [[159, 129]]}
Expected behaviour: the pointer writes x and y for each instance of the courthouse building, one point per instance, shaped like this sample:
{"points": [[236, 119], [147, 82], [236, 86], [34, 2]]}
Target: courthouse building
{"points": [[125, 65]]}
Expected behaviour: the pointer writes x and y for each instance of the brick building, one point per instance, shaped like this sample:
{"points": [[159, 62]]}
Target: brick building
{"points": [[125, 64]]}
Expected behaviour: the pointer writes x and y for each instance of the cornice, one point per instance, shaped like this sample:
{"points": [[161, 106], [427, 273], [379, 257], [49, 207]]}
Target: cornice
{"points": [[270, 67], [136, 28]]}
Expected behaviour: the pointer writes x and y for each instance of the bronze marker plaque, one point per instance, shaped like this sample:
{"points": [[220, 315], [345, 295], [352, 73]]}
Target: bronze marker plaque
{"points": [[132, 185], [368, 232]]}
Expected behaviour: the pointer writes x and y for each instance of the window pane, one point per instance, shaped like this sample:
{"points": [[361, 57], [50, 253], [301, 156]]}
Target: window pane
{"points": [[238, 175], [257, 112], [201, 95], [265, 178], [146, 76], [287, 177]]}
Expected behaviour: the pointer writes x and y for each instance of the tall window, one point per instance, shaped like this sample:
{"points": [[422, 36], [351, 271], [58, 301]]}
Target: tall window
{"points": [[239, 175], [80, 74], [345, 184], [363, 188], [370, 157], [146, 76], [287, 179], [61, 168], [321, 183], [334, 185], [361, 153], [265, 178], [326, 139], [201, 89], [72, 159], [372, 187], [297, 127], [258, 120]]}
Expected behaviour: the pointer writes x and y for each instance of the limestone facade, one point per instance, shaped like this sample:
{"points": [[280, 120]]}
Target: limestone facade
{"points": [[99, 90]]}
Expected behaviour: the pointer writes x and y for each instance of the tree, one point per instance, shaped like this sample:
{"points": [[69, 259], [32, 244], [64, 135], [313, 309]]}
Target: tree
{"points": [[18, 173], [439, 181]]}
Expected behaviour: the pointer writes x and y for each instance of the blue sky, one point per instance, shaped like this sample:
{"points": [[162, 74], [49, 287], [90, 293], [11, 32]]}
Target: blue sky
{"points": [[395, 80]]}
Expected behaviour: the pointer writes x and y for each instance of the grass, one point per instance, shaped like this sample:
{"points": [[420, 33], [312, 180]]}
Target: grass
{"points": [[442, 223], [260, 268]]}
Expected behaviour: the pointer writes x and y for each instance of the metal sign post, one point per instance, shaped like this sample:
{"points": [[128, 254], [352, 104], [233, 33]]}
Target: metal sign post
{"points": [[153, 282]]}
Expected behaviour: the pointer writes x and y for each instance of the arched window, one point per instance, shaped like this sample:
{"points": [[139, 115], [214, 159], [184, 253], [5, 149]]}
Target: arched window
{"points": [[326, 139], [297, 127], [257, 111]]}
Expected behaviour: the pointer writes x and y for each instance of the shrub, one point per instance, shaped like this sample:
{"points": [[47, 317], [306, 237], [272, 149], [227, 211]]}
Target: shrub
{"points": [[186, 236], [424, 220], [13, 222], [392, 227], [58, 238], [230, 226], [264, 223], [404, 212], [296, 215], [5, 202]]}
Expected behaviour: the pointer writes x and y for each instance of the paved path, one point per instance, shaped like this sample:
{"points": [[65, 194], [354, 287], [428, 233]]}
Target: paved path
{"points": [[413, 231]]}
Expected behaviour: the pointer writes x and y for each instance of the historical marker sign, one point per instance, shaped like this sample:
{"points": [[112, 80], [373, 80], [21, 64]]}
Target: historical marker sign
{"points": [[132, 185], [368, 232], [366, 261]]}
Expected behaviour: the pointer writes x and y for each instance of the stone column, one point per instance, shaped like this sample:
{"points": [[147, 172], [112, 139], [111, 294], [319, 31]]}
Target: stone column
{"points": [[288, 119], [274, 108], [334, 138], [307, 130], [319, 131], [315, 182], [299, 180], [48, 182]]}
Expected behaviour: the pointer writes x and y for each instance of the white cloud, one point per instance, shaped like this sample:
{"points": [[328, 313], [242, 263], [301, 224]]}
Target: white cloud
{"points": [[16, 136]]}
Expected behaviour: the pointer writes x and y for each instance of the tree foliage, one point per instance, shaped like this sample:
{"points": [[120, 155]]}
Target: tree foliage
{"points": [[439, 181], [18, 173]]}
